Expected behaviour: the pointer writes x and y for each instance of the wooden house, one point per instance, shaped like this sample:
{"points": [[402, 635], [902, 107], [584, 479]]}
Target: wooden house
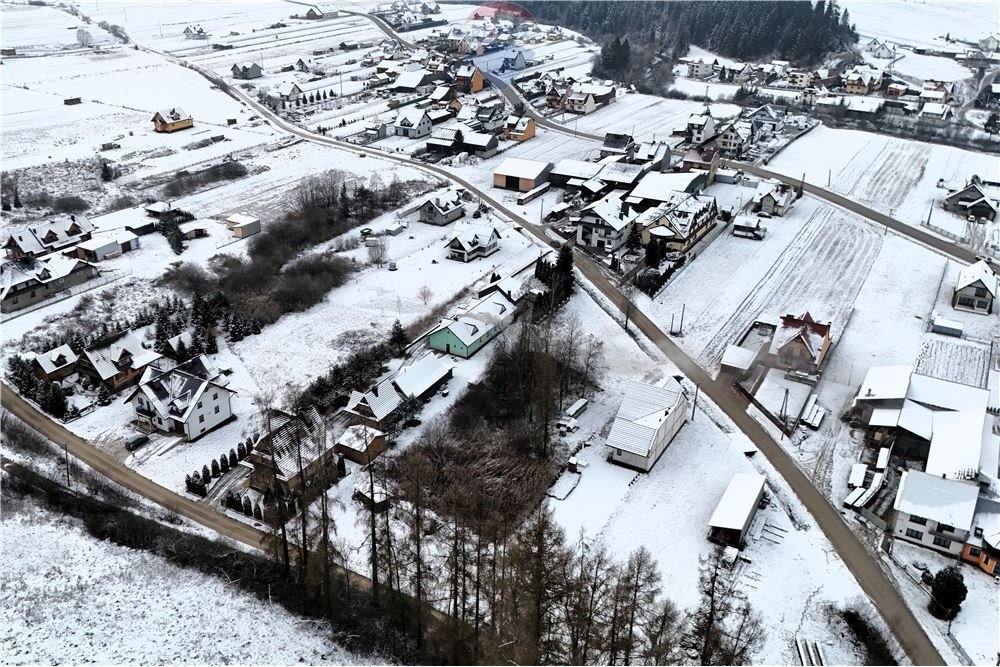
{"points": [[800, 343], [117, 361], [172, 120]]}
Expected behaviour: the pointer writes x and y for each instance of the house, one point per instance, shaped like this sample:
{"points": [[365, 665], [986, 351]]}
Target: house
{"points": [[360, 443], [515, 62], [106, 246], [521, 174], [49, 276], [700, 127], [374, 406], [469, 79], [491, 115], [800, 343], [302, 65], [189, 399], [467, 333], [157, 209], [773, 197], [736, 138], [972, 200], [519, 128], [647, 420], [990, 43], [736, 510], [880, 49], [555, 97], [585, 97], [746, 226], [616, 143], [247, 71], [442, 94], [656, 188], [195, 32], [679, 222], [288, 444], [934, 512], [55, 364], [933, 112], [799, 78], [171, 120], [862, 79], [196, 229], [699, 68], [976, 288], [242, 225], [117, 361], [322, 11], [443, 209], [414, 81], [473, 242], [655, 154], [480, 144], [606, 224], [896, 90], [62, 232], [769, 118], [421, 379], [412, 123], [703, 158], [573, 173]]}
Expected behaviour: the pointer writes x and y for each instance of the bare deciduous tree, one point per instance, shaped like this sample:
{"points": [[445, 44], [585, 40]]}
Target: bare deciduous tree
{"points": [[425, 294]]}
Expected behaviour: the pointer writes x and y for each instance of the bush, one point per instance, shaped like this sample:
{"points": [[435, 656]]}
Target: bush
{"points": [[70, 204], [188, 278], [185, 182], [120, 203]]}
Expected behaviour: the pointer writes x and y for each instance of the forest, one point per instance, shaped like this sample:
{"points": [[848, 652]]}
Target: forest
{"points": [[799, 31]]}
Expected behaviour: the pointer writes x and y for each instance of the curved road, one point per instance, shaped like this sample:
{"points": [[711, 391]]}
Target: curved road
{"points": [[862, 565]]}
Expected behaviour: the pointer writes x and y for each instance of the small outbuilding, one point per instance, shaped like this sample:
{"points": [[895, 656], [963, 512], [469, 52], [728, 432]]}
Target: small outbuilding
{"points": [[360, 443], [736, 510], [242, 225], [521, 174]]}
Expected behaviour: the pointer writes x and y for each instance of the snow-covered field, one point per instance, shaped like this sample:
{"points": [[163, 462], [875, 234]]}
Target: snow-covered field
{"points": [[69, 598], [645, 117], [898, 177], [35, 29], [920, 67], [923, 23]]}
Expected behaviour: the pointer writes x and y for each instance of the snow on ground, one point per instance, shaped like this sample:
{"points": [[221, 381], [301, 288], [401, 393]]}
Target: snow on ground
{"points": [[898, 177], [923, 24], [69, 596], [735, 281], [698, 52], [33, 29], [645, 117], [724, 91], [920, 67], [974, 627]]}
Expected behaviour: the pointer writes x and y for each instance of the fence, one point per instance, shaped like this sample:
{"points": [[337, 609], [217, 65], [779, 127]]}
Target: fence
{"points": [[62, 295]]}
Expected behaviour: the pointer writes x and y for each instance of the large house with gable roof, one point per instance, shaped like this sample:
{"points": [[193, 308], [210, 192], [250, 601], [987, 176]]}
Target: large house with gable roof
{"points": [[466, 334], [117, 361], [976, 289], [37, 240], [648, 419]]}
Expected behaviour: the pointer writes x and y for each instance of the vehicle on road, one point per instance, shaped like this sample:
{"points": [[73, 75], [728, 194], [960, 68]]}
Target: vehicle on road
{"points": [[135, 442]]}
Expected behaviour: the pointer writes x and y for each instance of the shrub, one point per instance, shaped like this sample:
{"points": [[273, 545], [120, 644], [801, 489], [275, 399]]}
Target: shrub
{"points": [[70, 204], [185, 182], [119, 203]]}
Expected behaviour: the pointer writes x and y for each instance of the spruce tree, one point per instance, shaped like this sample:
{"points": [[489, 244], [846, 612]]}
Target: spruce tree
{"points": [[103, 395], [206, 475], [257, 513], [211, 345], [241, 451], [233, 461], [397, 336], [247, 507], [223, 464], [215, 468]]}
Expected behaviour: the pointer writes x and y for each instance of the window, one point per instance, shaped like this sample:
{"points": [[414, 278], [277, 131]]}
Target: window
{"points": [[975, 551], [919, 520], [201, 418], [942, 542], [199, 404], [215, 396], [216, 409], [945, 528], [914, 534], [618, 452]]}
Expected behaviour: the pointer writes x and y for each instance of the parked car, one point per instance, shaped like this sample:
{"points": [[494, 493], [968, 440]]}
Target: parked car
{"points": [[135, 442], [674, 256], [392, 266], [366, 232]]}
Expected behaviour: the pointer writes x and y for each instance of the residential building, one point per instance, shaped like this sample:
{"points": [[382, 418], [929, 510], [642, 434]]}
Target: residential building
{"points": [[473, 242], [49, 276], [768, 118], [442, 209], [773, 197], [515, 62], [468, 332], [584, 98], [360, 443], [520, 174], [288, 444], [189, 399], [655, 154], [736, 138], [481, 144], [800, 343], [657, 188], [976, 289], [880, 49], [606, 224], [972, 200], [519, 128], [700, 68], [862, 79], [172, 120], [117, 361], [322, 11], [700, 127], [679, 222], [800, 79], [733, 516], [55, 364], [616, 143], [469, 79], [247, 71], [412, 123], [63, 231], [647, 420], [375, 406], [934, 512]]}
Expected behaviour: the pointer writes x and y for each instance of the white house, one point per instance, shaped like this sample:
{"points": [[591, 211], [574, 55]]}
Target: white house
{"points": [[699, 68], [412, 123], [773, 197], [700, 127], [648, 419], [976, 288], [934, 512], [473, 242], [190, 399], [605, 225]]}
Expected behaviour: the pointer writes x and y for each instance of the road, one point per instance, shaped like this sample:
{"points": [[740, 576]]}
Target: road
{"points": [[862, 565]]}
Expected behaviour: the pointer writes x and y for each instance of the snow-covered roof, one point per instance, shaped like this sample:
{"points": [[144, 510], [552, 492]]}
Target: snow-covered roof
{"points": [[658, 186], [738, 502], [466, 71], [781, 192], [622, 173], [576, 169], [885, 383], [957, 444], [612, 211], [946, 395], [240, 219], [382, 399], [173, 115], [63, 231], [491, 311], [410, 117], [643, 410], [108, 354], [358, 437], [978, 272], [522, 168], [411, 79], [478, 139], [935, 109], [174, 393], [738, 357], [946, 501], [420, 376], [811, 333], [56, 358]]}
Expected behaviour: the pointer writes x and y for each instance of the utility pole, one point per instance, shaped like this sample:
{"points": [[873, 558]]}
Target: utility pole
{"points": [[694, 403], [66, 451], [680, 329]]}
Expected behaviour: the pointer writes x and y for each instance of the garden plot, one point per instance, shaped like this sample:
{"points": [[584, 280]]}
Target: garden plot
{"points": [[735, 281], [31, 29], [365, 308], [955, 360], [69, 595], [645, 117], [898, 177]]}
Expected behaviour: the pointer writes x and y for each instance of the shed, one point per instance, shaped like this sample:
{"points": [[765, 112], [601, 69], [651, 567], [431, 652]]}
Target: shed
{"points": [[520, 174], [577, 409], [736, 509], [360, 443], [242, 225], [857, 476]]}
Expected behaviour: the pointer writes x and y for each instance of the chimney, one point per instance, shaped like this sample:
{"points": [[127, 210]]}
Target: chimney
{"points": [[624, 210]]}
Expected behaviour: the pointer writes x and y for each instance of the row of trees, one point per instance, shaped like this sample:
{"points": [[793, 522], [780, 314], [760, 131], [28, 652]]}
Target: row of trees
{"points": [[198, 483], [50, 396]]}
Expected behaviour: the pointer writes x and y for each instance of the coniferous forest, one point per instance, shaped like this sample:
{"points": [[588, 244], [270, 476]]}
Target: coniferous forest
{"points": [[799, 31]]}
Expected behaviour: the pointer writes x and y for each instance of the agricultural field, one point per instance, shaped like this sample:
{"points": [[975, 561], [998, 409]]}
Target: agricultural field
{"points": [[923, 24], [36, 30]]}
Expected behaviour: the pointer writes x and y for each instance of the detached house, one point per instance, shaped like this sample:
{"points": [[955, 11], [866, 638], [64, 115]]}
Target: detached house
{"points": [[769, 118], [171, 120], [736, 138], [117, 361], [519, 128], [648, 419], [680, 222], [473, 242], [412, 123], [616, 143], [360, 443], [606, 224], [190, 399], [49, 277], [37, 240], [862, 80], [934, 512], [466, 334], [773, 197], [699, 68], [247, 71], [972, 200], [469, 79], [287, 441], [800, 343], [55, 364], [976, 288], [443, 209], [700, 128]]}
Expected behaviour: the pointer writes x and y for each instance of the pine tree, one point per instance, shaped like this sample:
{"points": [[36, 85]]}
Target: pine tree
{"points": [[397, 336], [233, 461], [206, 474], [17, 196], [215, 468], [223, 464]]}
